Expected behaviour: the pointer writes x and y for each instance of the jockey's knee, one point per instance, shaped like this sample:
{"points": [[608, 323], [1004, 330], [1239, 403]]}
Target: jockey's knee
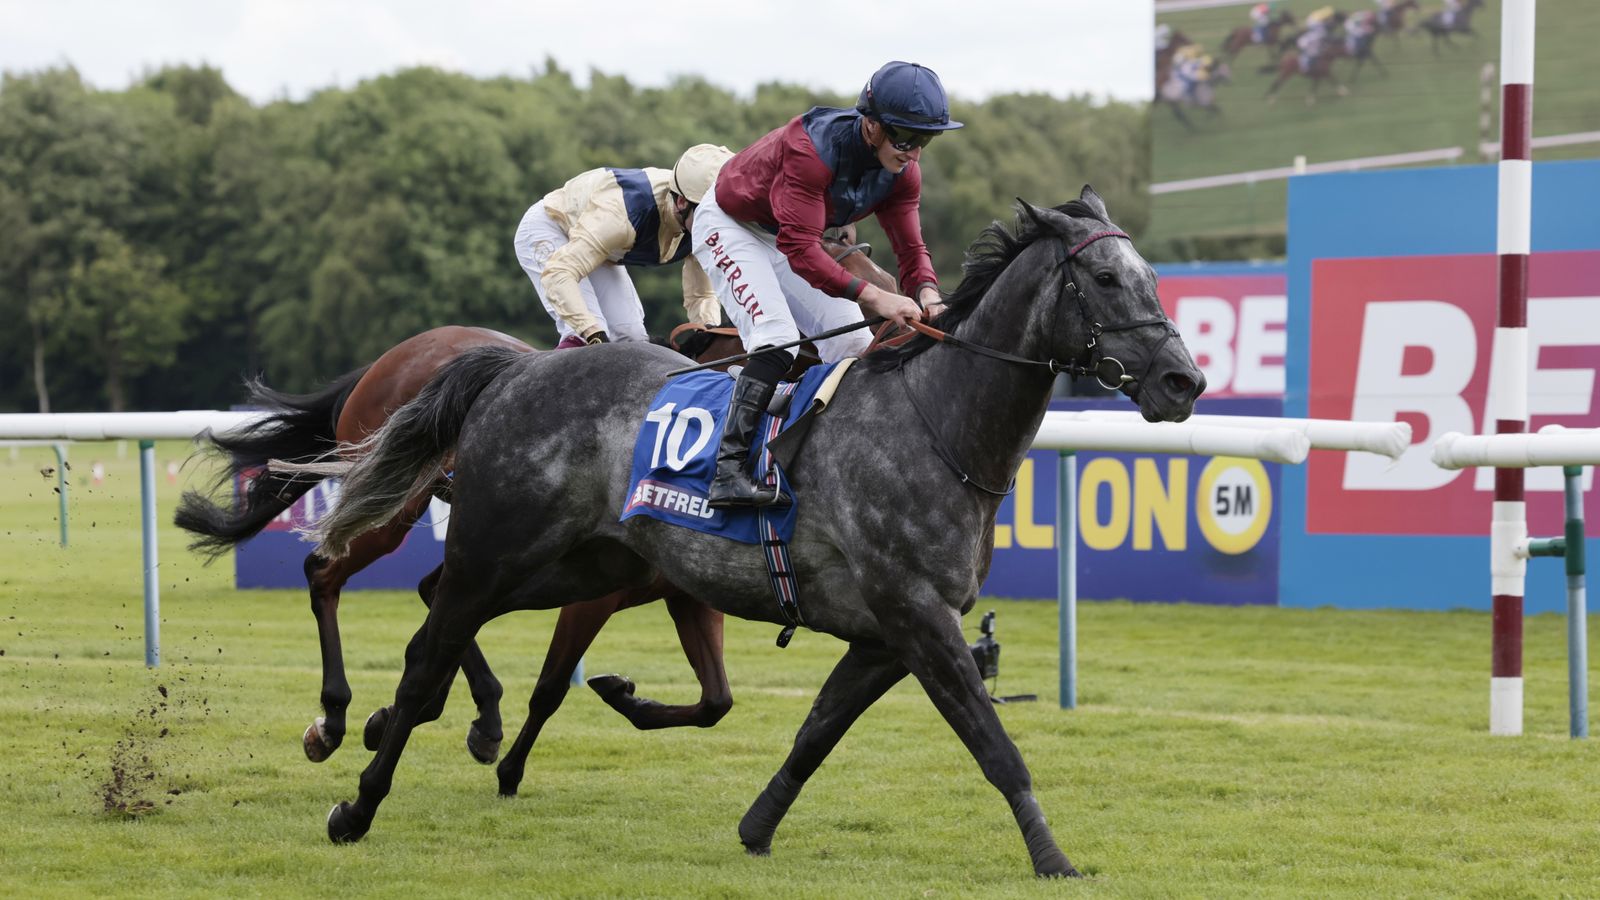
{"points": [[769, 364]]}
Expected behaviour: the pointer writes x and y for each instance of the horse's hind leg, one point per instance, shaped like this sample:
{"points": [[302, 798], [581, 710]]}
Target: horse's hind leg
{"points": [[575, 631], [465, 599], [431, 660], [325, 579], [326, 732], [700, 633], [484, 734], [865, 673], [1177, 110], [928, 638]]}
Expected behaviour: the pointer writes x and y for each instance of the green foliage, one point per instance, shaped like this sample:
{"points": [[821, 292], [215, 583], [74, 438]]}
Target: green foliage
{"points": [[121, 306], [1216, 752], [161, 242]]}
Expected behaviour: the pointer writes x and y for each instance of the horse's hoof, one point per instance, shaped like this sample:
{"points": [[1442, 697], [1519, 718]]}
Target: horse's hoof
{"points": [[318, 745], [343, 827], [483, 749], [372, 732], [1056, 865], [764, 850], [611, 686]]}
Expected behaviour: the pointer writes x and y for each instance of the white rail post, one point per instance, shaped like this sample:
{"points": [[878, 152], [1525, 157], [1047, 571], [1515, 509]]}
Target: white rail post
{"points": [[152, 584]]}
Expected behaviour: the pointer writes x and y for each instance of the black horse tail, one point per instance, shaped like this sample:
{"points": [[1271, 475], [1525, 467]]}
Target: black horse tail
{"points": [[404, 457], [298, 427]]}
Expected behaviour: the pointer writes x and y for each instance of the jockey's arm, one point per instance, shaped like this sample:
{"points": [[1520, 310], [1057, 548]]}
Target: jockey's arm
{"points": [[799, 205], [902, 223], [699, 300], [591, 242], [801, 209]]}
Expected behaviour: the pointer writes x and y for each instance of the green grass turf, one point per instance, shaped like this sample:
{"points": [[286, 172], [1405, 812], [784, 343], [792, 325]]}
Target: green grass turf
{"points": [[1425, 102], [1217, 752]]}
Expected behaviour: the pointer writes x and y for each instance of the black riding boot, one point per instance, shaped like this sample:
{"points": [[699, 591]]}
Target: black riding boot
{"points": [[733, 486]]}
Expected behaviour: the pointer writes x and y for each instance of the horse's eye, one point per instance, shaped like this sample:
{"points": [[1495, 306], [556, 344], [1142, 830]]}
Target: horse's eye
{"points": [[1105, 279]]}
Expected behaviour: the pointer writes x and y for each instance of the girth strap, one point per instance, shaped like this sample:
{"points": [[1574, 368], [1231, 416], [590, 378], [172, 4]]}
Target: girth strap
{"points": [[780, 568]]}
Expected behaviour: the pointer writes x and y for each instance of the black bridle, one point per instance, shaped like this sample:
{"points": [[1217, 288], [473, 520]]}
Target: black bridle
{"points": [[1108, 370]]}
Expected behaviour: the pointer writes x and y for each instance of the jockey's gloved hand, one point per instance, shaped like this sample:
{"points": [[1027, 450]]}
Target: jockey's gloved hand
{"points": [[693, 342], [599, 337]]}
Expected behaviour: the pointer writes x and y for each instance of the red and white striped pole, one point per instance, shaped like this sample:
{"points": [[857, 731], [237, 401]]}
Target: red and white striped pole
{"points": [[1509, 397]]}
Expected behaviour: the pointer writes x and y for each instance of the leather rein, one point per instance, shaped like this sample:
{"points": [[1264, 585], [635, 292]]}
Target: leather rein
{"points": [[1108, 370]]}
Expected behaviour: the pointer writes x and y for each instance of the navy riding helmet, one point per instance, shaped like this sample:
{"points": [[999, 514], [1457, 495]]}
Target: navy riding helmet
{"points": [[907, 95]]}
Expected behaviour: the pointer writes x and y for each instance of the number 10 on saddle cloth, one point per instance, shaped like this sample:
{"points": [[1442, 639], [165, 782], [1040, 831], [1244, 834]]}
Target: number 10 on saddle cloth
{"points": [[674, 457]]}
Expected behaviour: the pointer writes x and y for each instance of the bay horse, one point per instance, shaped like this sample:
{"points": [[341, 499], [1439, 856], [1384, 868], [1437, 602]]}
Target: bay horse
{"points": [[542, 470], [1244, 35], [312, 426], [1164, 56], [1320, 70], [1392, 21]]}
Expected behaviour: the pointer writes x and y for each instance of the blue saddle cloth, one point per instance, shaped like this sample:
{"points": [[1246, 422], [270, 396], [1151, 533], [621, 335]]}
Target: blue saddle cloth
{"points": [[675, 456]]}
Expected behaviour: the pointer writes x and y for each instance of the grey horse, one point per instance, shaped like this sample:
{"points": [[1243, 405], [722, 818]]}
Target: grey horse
{"points": [[899, 485]]}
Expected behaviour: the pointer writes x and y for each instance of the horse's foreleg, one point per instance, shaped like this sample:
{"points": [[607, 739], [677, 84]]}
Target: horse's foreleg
{"points": [[934, 650], [864, 674], [1272, 92], [1177, 110], [700, 633], [575, 631]]}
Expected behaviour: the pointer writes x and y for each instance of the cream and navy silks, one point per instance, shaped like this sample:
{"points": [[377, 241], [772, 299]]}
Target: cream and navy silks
{"points": [[674, 457], [575, 243]]}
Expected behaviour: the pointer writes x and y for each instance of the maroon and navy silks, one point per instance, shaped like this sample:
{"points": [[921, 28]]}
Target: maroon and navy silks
{"points": [[819, 172]]}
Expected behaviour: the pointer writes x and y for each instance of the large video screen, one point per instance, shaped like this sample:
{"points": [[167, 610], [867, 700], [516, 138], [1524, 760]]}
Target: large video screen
{"points": [[1245, 89]]}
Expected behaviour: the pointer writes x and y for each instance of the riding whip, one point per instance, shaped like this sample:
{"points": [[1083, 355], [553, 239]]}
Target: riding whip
{"points": [[832, 332]]}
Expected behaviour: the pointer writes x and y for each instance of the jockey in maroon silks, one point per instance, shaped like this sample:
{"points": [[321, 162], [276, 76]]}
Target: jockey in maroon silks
{"points": [[757, 236]]}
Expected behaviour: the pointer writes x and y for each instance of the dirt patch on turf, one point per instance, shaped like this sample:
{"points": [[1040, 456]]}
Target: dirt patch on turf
{"points": [[144, 774]]}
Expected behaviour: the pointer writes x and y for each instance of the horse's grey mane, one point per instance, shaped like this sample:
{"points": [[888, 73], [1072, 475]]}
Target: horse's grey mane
{"points": [[986, 258]]}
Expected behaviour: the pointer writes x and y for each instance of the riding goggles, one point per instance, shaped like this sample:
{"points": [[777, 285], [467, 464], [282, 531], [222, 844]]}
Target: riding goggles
{"points": [[906, 139]]}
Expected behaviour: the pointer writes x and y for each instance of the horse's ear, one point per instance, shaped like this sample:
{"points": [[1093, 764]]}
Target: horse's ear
{"points": [[1094, 202], [1043, 219], [1026, 210]]}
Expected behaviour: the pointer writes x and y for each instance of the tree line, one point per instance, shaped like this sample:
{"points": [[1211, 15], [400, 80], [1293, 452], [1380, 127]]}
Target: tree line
{"points": [[160, 242]]}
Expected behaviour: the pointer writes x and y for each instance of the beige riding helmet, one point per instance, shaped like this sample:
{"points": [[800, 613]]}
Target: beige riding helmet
{"points": [[696, 168]]}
